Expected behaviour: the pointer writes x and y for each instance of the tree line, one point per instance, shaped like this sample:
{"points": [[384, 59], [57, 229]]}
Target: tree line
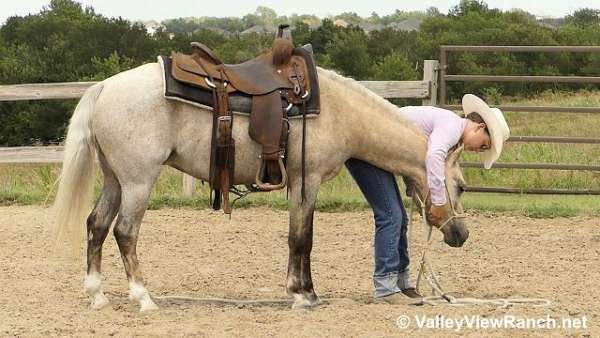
{"points": [[68, 42]]}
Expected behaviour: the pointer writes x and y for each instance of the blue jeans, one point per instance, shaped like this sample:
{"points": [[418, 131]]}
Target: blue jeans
{"points": [[391, 245]]}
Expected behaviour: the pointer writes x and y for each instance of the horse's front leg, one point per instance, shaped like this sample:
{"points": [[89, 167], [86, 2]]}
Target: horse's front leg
{"points": [[300, 237]]}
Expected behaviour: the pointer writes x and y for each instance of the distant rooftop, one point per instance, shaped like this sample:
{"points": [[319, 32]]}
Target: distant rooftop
{"points": [[152, 26], [369, 27], [550, 22], [260, 29], [407, 25]]}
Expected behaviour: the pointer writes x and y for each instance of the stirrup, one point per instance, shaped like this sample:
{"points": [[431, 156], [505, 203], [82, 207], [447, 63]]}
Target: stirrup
{"points": [[268, 186]]}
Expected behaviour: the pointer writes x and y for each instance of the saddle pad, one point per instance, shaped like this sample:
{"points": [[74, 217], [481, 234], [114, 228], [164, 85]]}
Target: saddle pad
{"points": [[238, 102]]}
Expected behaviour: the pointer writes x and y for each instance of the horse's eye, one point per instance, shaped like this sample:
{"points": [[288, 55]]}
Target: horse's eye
{"points": [[462, 187]]}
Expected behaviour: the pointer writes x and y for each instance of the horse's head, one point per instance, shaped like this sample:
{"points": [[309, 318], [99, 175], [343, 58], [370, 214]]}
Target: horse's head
{"points": [[453, 226]]}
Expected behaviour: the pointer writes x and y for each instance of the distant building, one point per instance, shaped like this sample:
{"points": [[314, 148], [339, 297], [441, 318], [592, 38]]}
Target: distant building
{"points": [[218, 30], [407, 25], [152, 26], [340, 23], [313, 26], [259, 29], [550, 22], [370, 27]]}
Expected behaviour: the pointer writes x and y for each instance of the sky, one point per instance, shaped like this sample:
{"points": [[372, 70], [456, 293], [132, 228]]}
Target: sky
{"points": [[160, 10]]}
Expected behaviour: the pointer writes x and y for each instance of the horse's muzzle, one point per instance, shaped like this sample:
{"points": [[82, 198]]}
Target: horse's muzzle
{"points": [[456, 235]]}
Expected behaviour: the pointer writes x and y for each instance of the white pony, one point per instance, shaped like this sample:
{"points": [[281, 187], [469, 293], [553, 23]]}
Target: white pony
{"points": [[127, 124]]}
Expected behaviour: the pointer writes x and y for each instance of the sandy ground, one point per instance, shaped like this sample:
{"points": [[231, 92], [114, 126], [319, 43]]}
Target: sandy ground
{"points": [[204, 254]]}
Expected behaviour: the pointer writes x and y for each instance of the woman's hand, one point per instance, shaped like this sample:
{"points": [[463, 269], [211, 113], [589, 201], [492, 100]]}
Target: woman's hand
{"points": [[437, 214]]}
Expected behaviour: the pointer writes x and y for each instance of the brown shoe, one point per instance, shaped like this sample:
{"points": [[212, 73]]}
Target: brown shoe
{"points": [[411, 293], [397, 298]]}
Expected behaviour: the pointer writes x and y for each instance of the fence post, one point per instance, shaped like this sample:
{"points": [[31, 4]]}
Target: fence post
{"points": [[189, 185], [430, 73]]}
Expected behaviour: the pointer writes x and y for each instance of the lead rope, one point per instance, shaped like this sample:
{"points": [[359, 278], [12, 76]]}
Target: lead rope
{"points": [[425, 266], [241, 302], [440, 297]]}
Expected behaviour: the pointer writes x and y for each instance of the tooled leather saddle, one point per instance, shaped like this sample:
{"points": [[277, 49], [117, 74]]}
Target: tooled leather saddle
{"points": [[272, 87]]}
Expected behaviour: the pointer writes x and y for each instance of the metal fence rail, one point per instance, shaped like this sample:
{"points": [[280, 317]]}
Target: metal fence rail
{"points": [[532, 109], [445, 78], [534, 191]]}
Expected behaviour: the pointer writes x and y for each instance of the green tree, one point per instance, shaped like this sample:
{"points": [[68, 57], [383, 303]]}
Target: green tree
{"points": [[433, 11], [399, 15], [250, 20], [350, 17], [63, 43], [387, 41], [181, 25], [107, 67], [267, 16], [469, 6], [301, 33], [348, 51], [323, 36], [584, 17], [374, 18], [395, 66]]}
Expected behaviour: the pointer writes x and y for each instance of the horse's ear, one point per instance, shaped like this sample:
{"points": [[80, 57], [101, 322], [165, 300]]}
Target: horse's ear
{"points": [[455, 155]]}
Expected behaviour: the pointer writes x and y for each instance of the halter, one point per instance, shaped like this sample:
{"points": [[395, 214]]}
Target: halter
{"points": [[452, 217]]}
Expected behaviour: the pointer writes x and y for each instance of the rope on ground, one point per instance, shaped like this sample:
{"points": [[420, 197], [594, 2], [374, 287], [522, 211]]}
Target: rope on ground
{"points": [[500, 302], [440, 297], [222, 301]]}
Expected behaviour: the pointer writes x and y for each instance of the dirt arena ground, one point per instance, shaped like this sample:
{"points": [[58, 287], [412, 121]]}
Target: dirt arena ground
{"points": [[201, 253]]}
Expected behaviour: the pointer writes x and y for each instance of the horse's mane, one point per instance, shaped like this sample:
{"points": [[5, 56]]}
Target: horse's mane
{"points": [[368, 95]]}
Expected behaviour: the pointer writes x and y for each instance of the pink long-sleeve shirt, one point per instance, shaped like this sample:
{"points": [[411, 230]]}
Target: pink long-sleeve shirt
{"points": [[444, 129]]}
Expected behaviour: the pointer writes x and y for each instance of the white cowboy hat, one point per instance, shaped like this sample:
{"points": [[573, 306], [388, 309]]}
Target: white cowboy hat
{"points": [[496, 125]]}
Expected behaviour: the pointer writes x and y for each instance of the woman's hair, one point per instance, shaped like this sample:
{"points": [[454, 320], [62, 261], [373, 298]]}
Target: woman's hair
{"points": [[477, 119]]}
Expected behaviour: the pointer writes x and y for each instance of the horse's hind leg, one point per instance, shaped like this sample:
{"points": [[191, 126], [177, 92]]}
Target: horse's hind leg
{"points": [[134, 201], [98, 224]]}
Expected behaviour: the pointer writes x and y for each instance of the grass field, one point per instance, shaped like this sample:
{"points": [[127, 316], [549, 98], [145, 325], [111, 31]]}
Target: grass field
{"points": [[34, 184], [547, 124]]}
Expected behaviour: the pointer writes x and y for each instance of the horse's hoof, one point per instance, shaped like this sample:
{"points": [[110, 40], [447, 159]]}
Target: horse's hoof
{"points": [[316, 302], [148, 306], [302, 303], [100, 301], [138, 292], [301, 306], [313, 299]]}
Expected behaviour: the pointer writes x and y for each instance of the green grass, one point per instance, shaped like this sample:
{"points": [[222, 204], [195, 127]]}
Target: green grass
{"points": [[34, 184], [547, 124]]}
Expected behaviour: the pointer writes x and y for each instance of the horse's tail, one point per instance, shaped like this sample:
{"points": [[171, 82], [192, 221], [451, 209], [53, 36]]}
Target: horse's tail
{"points": [[75, 193]]}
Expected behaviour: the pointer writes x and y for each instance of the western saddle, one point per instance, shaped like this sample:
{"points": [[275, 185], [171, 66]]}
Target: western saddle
{"points": [[275, 81]]}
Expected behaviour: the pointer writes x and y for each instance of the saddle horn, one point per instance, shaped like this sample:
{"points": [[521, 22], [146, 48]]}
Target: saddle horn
{"points": [[284, 31], [283, 46]]}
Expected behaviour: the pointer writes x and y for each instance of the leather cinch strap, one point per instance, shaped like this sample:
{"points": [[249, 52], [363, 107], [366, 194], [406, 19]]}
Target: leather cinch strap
{"points": [[222, 148]]}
